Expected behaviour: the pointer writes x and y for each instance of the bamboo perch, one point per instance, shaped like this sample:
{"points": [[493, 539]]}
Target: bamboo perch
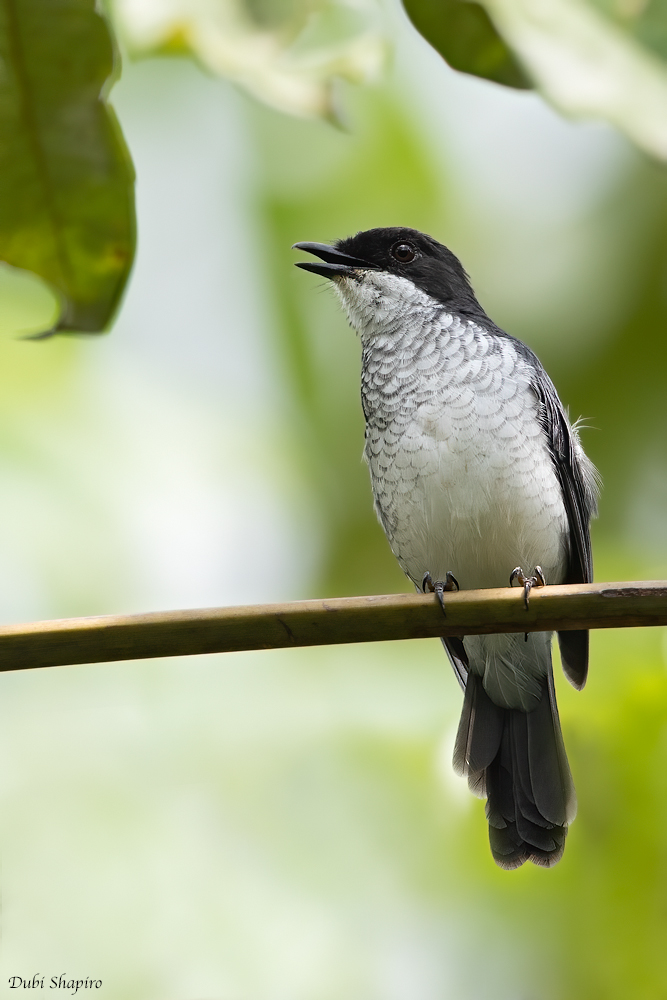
{"points": [[338, 620]]}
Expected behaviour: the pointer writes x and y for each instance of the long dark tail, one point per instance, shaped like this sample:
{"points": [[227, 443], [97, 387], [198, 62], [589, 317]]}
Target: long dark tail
{"points": [[517, 759]]}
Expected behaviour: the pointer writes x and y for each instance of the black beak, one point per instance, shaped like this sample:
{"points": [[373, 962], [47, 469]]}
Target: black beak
{"points": [[335, 262]]}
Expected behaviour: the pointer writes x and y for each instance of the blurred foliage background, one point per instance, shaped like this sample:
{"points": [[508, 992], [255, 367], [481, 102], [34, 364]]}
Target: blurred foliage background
{"points": [[286, 824]]}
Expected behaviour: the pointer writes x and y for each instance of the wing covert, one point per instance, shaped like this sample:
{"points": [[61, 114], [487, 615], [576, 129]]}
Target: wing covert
{"points": [[579, 484]]}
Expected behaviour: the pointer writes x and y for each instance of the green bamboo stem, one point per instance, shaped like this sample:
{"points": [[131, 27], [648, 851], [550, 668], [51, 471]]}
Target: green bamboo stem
{"points": [[325, 622]]}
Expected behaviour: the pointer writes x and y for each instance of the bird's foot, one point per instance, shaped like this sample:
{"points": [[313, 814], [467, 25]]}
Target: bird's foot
{"points": [[438, 587], [527, 582]]}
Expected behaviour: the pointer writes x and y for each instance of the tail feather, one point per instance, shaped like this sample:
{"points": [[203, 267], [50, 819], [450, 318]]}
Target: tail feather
{"points": [[479, 735], [552, 781], [518, 760]]}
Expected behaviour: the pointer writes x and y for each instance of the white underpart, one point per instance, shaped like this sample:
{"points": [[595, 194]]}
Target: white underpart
{"points": [[461, 472]]}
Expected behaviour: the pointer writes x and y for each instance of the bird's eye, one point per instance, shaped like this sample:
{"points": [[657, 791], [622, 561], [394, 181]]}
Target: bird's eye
{"points": [[403, 252]]}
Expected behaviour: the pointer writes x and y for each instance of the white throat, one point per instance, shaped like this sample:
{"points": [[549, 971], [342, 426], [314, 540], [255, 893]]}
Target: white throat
{"points": [[378, 303]]}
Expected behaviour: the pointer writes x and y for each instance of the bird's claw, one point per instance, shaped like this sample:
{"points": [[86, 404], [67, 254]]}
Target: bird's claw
{"points": [[438, 587], [527, 582]]}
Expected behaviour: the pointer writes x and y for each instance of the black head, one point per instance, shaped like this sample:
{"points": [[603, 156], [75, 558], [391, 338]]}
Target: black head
{"points": [[403, 252]]}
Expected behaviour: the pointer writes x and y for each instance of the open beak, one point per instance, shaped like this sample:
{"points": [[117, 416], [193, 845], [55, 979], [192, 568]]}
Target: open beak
{"points": [[335, 262]]}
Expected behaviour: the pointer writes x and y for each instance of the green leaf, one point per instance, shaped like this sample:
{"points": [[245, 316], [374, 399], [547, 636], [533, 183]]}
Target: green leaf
{"points": [[464, 35], [645, 21], [66, 178], [286, 53], [589, 63]]}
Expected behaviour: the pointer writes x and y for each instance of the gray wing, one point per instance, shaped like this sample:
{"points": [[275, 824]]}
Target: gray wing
{"points": [[578, 480]]}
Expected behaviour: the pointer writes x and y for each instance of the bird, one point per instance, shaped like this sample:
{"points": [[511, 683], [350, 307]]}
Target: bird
{"points": [[478, 477]]}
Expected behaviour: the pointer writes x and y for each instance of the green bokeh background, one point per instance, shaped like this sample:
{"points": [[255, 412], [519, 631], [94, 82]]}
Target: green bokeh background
{"points": [[286, 824]]}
